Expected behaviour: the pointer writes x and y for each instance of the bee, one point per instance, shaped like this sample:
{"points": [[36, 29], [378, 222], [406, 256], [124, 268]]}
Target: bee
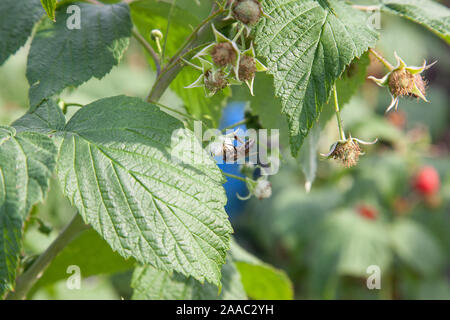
{"points": [[226, 148]]}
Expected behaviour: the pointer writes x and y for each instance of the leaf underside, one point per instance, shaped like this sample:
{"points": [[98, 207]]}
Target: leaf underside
{"points": [[307, 47], [27, 160], [152, 284]]}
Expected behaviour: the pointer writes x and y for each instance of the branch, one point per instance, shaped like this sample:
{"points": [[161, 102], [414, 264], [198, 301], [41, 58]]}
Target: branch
{"points": [[174, 67], [26, 281]]}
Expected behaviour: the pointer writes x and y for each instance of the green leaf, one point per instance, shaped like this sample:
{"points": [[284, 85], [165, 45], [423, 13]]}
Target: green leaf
{"points": [[152, 284], [46, 118], [91, 254], [119, 165], [430, 14], [264, 103], [417, 247], [60, 57], [17, 19], [347, 246], [261, 281], [27, 160], [50, 7], [152, 14], [307, 47]]}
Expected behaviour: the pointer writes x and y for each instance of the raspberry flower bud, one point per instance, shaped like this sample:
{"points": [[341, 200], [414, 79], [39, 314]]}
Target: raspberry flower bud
{"points": [[404, 80], [347, 151]]}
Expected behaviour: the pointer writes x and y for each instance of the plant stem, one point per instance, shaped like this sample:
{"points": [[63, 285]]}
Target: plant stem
{"points": [[233, 176], [235, 125], [366, 8], [169, 72], [188, 116], [338, 114], [26, 281], [94, 2], [149, 49], [382, 60]]}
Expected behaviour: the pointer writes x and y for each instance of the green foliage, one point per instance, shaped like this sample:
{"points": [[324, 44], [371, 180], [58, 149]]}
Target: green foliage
{"points": [[46, 118], [416, 247], [264, 104], [60, 57], [118, 165], [349, 244], [154, 196], [152, 14], [50, 7], [427, 13], [26, 163], [152, 284], [260, 280], [17, 19], [91, 254], [307, 48]]}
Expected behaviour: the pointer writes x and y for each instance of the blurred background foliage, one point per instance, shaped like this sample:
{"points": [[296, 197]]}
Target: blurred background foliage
{"points": [[371, 214]]}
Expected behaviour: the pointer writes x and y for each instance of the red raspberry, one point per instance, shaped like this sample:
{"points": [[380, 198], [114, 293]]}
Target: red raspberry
{"points": [[427, 181], [367, 211]]}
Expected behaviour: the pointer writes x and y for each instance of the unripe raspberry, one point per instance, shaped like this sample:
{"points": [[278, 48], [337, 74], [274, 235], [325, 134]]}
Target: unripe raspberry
{"points": [[247, 11], [403, 83], [427, 181], [247, 68], [223, 54], [347, 152], [215, 81]]}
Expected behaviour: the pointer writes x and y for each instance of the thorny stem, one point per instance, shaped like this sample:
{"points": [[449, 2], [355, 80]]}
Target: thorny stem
{"points": [[149, 49], [338, 114], [382, 60], [26, 281]]}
